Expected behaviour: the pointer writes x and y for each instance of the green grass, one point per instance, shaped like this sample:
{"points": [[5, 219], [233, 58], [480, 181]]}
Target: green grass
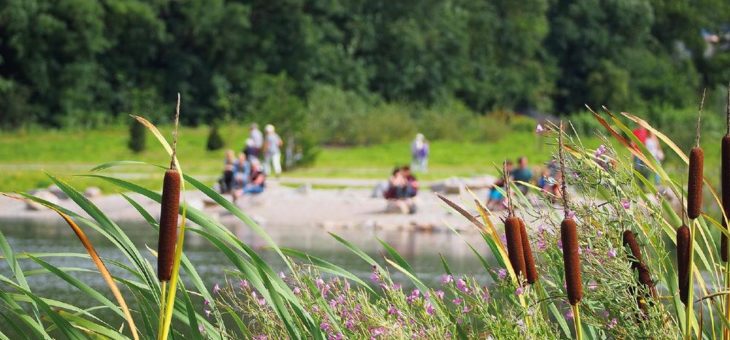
{"points": [[26, 156]]}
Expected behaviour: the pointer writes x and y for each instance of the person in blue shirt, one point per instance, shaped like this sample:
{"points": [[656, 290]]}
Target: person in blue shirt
{"points": [[522, 173]]}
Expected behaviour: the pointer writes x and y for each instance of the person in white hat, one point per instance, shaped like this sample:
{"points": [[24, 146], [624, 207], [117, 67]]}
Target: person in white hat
{"points": [[272, 151], [419, 154]]}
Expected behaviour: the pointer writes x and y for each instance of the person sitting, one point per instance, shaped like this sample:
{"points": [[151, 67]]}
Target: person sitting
{"points": [[257, 181], [225, 183], [522, 175], [495, 197], [411, 188], [396, 185], [241, 171]]}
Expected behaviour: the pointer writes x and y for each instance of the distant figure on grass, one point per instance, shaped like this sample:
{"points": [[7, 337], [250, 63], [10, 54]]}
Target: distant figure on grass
{"points": [[495, 200], [402, 188], [549, 182], [419, 154], [250, 149], [225, 183], [655, 148], [257, 141], [272, 151], [642, 134], [522, 175]]}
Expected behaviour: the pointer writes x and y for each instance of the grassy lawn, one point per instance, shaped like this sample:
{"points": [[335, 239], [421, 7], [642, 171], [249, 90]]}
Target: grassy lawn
{"points": [[26, 156]]}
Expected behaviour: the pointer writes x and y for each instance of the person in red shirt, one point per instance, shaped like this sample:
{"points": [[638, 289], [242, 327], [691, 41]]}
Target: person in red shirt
{"points": [[641, 134]]}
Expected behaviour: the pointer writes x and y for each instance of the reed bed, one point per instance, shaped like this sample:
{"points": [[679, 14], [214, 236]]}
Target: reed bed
{"points": [[603, 250]]}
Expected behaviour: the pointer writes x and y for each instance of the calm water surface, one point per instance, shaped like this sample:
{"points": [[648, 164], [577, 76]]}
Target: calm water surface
{"points": [[420, 249]]}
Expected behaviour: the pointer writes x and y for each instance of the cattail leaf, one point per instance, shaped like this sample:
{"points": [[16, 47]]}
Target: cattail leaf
{"points": [[15, 309], [357, 251], [84, 288], [191, 314], [238, 322], [326, 266], [396, 256], [108, 165], [445, 264], [92, 327]]}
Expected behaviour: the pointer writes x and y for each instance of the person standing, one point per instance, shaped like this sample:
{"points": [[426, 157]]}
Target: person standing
{"points": [[272, 151], [257, 141], [655, 148], [419, 154], [522, 175]]}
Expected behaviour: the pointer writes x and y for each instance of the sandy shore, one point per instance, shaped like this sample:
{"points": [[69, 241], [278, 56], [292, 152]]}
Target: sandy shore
{"points": [[329, 209]]}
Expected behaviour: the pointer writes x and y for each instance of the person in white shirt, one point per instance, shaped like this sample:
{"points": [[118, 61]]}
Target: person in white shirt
{"points": [[272, 151]]}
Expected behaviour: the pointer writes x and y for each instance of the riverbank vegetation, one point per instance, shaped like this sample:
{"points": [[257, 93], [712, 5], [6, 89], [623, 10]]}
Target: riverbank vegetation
{"points": [[314, 298]]}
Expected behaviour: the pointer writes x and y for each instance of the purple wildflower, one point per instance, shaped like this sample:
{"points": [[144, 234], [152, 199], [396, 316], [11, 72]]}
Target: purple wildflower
{"points": [[466, 309], [626, 204], [207, 312], [612, 253], [375, 276], [571, 213], [216, 289], [447, 279], [457, 301], [375, 332], [592, 285], [440, 294], [600, 151], [560, 244], [569, 314], [243, 284], [350, 324], [461, 285], [324, 326], [206, 302], [519, 291], [297, 291], [541, 245], [337, 336], [502, 273], [485, 294], [612, 323], [393, 311], [260, 337], [282, 275], [429, 308], [539, 128]]}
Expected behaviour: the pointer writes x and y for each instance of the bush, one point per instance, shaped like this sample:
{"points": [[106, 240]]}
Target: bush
{"points": [[215, 142], [451, 120], [136, 141]]}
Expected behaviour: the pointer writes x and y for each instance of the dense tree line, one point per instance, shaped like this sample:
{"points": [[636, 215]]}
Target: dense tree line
{"points": [[88, 62]]}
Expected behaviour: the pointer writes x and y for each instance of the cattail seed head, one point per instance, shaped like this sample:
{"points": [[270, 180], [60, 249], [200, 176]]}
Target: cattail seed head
{"points": [[571, 260], [168, 224], [630, 241], [725, 179], [683, 255], [531, 271], [514, 245], [694, 183]]}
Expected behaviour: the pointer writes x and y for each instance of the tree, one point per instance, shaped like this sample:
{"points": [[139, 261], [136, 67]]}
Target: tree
{"points": [[137, 137], [215, 141]]}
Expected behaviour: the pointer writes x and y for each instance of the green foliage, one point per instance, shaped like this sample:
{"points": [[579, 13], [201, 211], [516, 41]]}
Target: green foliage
{"points": [[215, 141], [86, 63], [136, 141]]}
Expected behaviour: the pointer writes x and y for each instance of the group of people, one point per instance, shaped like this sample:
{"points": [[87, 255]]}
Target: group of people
{"points": [[246, 174], [241, 175], [549, 181], [402, 188]]}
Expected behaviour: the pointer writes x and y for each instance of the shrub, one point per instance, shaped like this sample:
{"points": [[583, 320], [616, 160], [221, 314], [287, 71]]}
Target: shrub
{"points": [[136, 141], [215, 141]]}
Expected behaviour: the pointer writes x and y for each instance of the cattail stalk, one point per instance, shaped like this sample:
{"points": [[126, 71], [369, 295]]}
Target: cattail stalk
{"points": [[725, 179], [569, 237], [685, 235], [514, 245]]}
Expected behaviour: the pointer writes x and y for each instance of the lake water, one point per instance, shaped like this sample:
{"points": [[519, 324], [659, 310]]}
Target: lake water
{"points": [[420, 249]]}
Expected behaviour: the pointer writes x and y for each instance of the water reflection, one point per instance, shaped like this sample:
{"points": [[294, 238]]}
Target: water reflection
{"points": [[422, 250]]}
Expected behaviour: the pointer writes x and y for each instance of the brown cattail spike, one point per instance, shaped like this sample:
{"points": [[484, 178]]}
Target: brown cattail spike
{"points": [[168, 224], [530, 270], [630, 241], [683, 275], [694, 183], [571, 260], [514, 245], [637, 263]]}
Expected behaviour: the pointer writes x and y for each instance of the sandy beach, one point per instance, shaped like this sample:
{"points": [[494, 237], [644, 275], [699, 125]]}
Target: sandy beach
{"points": [[288, 205]]}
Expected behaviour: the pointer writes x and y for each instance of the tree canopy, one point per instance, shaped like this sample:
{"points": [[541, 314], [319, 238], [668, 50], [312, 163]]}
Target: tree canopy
{"points": [[86, 62]]}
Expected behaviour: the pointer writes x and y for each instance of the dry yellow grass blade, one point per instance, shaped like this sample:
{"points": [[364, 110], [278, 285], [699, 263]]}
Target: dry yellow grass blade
{"points": [[102, 270]]}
